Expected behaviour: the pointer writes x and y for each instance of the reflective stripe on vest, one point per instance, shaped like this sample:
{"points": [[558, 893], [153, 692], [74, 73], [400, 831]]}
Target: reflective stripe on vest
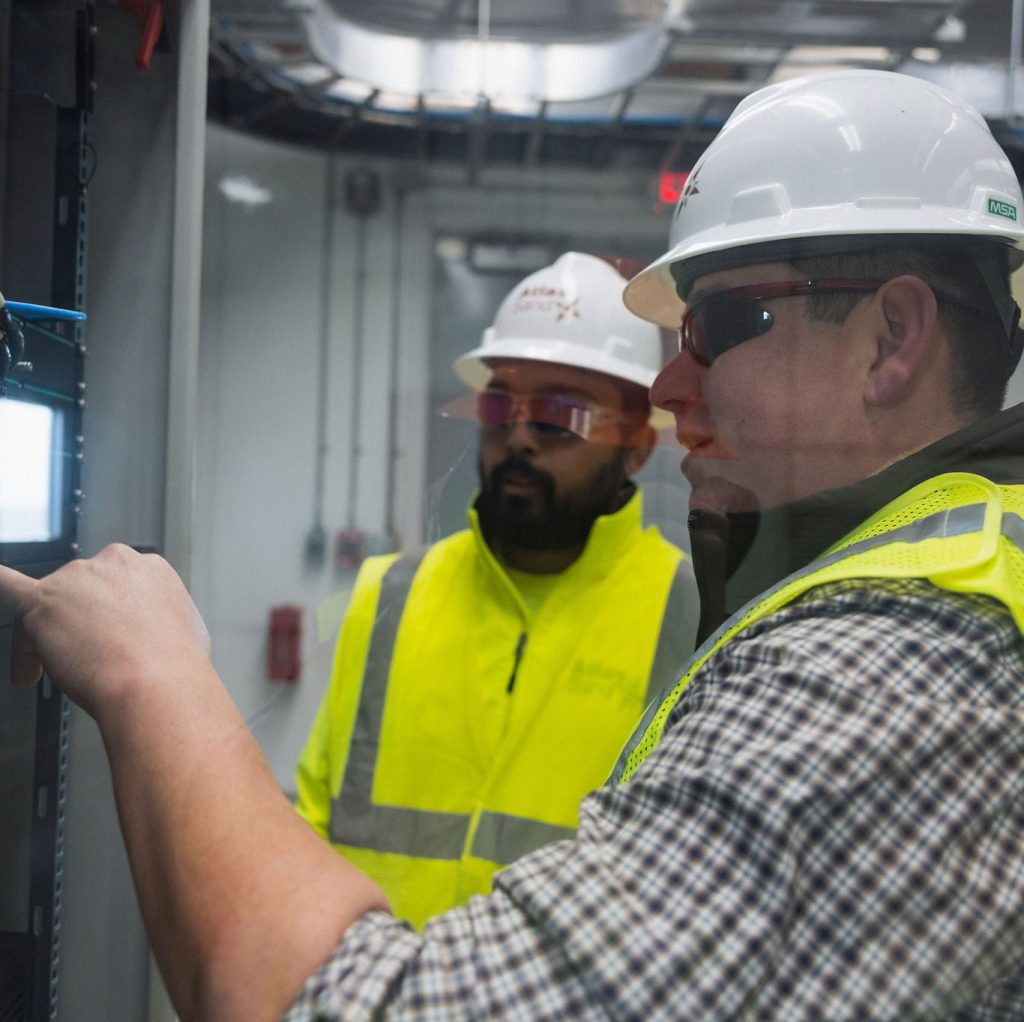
{"points": [[946, 524], [504, 839], [357, 821]]}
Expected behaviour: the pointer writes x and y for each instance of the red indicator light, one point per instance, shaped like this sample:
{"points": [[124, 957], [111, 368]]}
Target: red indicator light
{"points": [[670, 185]]}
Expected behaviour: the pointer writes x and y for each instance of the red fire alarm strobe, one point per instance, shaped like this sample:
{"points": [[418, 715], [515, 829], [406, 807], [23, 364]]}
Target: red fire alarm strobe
{"points": [[284, 643], [670, 186]]}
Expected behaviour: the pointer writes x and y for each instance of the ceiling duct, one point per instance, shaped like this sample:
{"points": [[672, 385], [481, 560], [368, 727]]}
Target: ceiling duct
{"points": [[480, 81], [526, 51]]}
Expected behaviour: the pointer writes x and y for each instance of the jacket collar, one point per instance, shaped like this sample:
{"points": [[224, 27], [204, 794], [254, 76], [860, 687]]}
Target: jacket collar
{"points": [[737, 556]]}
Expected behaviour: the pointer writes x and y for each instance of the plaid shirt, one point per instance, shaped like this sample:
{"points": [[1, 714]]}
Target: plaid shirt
{"points": [[832, 827]]}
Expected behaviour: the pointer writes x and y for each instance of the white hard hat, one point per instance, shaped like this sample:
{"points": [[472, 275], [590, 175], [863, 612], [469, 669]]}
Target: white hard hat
{"points": [[838, 154], [570, 313]]}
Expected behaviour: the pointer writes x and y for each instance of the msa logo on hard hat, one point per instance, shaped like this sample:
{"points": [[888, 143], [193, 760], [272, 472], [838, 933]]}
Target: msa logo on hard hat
{"points": [[999, 208]]}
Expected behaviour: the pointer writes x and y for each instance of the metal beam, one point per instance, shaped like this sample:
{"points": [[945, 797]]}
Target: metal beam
{"points": [[535, 139], [422, 129], [606, 145], [352, 121], [686, 137], [476, 142]]}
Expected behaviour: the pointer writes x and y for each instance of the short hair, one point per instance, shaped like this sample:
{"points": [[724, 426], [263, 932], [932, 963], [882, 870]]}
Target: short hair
{"points": [[980, 348]]}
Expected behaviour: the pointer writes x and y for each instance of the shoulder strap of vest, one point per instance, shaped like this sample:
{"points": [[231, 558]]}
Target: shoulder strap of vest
{"points": [[355, 819], [394, 591]]}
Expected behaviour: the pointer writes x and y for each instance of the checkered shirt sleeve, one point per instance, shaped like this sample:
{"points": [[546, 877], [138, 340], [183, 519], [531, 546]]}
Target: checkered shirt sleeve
{"points": [[831, 828]]}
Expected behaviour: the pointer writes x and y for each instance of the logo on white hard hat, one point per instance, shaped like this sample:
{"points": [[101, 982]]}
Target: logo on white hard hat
{"points": [[547, 300], [998, 207], [689, 189]]}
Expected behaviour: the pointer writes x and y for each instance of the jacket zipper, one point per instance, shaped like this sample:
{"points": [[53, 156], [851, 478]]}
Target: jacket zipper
{"points": [[520, 646]]}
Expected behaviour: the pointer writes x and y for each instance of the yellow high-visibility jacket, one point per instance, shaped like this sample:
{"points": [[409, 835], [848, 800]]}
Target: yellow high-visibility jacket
{"points": [[958, 530], [460, 731]]}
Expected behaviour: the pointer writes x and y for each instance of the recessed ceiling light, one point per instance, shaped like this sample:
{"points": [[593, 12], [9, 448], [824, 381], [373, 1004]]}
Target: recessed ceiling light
{"points": [[242, 189]]}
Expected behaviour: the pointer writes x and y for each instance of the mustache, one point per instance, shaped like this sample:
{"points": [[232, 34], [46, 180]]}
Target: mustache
{"points": [[521, 468]]}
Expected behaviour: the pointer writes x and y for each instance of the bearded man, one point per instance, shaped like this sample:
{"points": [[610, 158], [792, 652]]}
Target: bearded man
{"points": [[481, 687]]}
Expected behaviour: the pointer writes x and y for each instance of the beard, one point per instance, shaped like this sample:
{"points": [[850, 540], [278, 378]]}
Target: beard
{"points": [[549, 521]]}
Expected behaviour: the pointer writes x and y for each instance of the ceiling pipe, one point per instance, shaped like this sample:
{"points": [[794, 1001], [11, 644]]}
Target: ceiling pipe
{"points": [[316, 538], [1013, 70]]}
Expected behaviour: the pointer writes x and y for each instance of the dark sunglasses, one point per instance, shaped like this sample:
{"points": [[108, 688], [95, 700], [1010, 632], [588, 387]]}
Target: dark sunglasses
{"points": [[548, 415], [720, 321]]}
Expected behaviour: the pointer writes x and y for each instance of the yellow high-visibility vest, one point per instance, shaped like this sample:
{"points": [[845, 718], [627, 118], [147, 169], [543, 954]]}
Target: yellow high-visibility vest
{"points": [[460, 730], [958, 530]]}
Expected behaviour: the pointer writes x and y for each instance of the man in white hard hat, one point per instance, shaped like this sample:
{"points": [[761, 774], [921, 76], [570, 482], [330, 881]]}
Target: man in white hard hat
{"points": [[824, 818], [482, 687]]}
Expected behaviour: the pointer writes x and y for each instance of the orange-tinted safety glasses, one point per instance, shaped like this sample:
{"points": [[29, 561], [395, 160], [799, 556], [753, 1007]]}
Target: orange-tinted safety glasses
{"points": [[548, 416]]}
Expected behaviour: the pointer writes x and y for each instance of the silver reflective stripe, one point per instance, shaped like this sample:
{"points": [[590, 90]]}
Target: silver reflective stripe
{"points": [[504, 839], [355, 820], [678, 630], [956, 521], [413, 832], [1013, 529]]}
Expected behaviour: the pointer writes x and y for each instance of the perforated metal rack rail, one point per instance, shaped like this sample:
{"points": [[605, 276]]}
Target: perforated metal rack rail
{"points": [[45, 166]]}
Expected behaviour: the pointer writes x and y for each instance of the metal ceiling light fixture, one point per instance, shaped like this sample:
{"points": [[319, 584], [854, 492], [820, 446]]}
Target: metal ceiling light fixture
{"points": [[504, 51]]}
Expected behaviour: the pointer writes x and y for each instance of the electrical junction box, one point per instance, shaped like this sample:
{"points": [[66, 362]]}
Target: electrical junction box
{"points": [[350, 548], [284, 643]]}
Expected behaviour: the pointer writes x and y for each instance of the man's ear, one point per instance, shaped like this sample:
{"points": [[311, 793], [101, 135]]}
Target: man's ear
{"points": [[641, 445], [905, 337]]}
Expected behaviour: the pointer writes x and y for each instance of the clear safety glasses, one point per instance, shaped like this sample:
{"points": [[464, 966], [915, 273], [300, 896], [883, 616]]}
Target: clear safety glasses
{"points": [[723, 320]]}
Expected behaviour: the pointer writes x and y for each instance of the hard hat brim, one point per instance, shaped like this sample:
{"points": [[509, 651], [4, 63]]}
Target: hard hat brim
{"points": [[652, 294]]}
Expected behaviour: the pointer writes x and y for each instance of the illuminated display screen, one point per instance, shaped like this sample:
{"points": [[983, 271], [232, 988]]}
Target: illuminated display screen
{"points": [[30, 472]]}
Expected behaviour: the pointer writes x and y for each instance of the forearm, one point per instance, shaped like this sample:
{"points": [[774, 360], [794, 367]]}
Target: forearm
{"points": [[240, 898]]}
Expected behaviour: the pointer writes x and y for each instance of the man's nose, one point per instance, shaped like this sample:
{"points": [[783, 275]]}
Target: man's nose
{"points": [[519, 436], [679, 383]]}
